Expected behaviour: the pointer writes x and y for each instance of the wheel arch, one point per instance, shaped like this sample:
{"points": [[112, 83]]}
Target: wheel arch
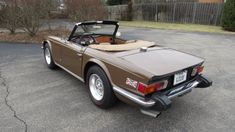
{"points": [[46, 42], [95, 62]]}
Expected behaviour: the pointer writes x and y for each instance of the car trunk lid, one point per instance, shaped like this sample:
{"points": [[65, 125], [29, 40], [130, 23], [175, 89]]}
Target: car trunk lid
{"points": [[160, 61]]}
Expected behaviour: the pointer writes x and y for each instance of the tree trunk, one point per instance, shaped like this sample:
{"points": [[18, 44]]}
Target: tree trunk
{"points": [[130, 10]]}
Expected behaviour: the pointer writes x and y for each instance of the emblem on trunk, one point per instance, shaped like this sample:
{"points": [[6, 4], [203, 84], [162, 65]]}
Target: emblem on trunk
{"points": [[131, 82]]}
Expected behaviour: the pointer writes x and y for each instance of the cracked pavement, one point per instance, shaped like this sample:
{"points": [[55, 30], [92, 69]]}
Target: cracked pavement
{"points": [[50, 100], [4, 84]]}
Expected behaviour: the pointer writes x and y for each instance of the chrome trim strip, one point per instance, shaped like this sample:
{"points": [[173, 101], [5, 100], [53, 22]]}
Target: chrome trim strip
{"points": [[176, 90], [135, 98], [189, 88], [81, 79], [78, 23]]}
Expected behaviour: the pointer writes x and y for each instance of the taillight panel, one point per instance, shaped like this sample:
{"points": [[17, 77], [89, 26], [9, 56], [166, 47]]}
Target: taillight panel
{"points": [[167, 81], [147, 89], [200, 69], [197, 70]]}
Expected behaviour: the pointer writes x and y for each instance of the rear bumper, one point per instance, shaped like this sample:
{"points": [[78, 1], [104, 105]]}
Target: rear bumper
{"points": [[161, 101]]}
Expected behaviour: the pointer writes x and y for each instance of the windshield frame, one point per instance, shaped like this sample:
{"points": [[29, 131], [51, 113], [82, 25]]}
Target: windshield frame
{"points": [[115, 23]]}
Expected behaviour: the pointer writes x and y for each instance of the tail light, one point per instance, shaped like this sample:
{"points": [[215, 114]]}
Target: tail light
{"points": [[147, 89], [200, 69], [197, 70]]}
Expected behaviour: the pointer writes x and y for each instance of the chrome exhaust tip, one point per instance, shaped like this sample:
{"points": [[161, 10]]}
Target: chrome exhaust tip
{"points": [[152, 113]]}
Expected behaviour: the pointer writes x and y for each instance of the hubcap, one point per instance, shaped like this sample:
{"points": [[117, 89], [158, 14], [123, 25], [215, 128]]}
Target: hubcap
{"points": [[96, 87], [48, 56]]}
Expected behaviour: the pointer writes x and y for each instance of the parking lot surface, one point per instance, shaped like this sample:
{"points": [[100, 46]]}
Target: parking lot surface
{"points": [[53, 100]]}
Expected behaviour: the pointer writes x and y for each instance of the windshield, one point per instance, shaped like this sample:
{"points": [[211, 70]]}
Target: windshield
{"points": [[97, 29]]}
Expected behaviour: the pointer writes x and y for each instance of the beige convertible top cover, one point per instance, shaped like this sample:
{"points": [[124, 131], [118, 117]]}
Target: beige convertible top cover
{"points": [[129, 45]]}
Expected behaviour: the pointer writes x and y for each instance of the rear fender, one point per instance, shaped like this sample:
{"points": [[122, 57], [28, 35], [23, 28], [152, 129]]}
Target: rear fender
{"points": [[102, 65]]}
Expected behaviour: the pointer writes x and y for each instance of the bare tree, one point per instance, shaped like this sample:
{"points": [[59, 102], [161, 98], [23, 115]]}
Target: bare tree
{"points": [[81, 10], [10, 15], [33, 11], [48, 6]]}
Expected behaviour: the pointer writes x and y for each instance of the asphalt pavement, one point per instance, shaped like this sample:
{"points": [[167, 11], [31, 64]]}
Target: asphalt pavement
{"points": [[38, 99]]}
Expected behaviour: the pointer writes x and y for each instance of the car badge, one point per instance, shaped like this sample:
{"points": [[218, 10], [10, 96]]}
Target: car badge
{"points": [[131, 82]]}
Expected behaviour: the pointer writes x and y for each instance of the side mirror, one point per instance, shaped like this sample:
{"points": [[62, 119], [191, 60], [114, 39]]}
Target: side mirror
{"points": [[118, 34], [84, 43]]}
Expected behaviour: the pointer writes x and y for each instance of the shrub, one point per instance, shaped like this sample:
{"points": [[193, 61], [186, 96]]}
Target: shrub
{"points": [[228, 18], [33, 11], [81, 10], [10, 16]]}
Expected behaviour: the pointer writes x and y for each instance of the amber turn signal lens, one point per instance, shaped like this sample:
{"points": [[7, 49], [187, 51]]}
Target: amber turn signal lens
{"points": [[147, 89]]}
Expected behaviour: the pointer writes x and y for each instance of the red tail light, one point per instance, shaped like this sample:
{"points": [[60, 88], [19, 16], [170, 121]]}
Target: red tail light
{"points": [[200, 69], [147, 89], [197, 70]]}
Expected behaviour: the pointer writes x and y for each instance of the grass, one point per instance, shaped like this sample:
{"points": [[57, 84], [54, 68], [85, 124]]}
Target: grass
{"points": [[173, 26]]}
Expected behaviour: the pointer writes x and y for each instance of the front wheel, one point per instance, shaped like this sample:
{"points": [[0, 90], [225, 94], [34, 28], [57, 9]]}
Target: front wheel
{"points": [[100, 89], [48, 57]]}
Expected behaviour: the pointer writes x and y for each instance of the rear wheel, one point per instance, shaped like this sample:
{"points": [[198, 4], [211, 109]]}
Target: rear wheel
{"points": [[100, 89], [48, 57]]}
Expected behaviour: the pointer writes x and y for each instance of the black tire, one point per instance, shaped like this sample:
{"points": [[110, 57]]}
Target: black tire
{"points": [[50, 64], [109, 98]]}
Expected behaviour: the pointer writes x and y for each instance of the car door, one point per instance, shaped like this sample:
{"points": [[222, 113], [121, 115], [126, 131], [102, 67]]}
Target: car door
{"points": [[71, 57], [56, 50]]}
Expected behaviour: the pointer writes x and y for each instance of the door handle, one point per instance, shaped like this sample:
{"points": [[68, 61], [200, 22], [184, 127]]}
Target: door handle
{"points": [[79, 54]]}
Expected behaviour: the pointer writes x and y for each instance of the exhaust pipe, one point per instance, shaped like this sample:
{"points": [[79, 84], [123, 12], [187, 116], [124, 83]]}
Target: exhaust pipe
{"points": [[152, 113]]}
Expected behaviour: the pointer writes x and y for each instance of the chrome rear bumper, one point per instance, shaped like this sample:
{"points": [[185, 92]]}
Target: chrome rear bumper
{"points": [[161, 100], [183, 89], [135, 98]]}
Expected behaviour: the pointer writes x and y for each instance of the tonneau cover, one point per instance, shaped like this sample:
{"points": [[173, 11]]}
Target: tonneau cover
{"points": [[122, 47]]}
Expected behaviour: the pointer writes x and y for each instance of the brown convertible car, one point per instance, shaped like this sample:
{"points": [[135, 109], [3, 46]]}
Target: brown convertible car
{"points": [[137, 72]]}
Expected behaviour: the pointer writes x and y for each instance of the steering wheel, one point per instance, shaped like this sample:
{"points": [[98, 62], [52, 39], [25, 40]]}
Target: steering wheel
{"points": [[88, 39]]}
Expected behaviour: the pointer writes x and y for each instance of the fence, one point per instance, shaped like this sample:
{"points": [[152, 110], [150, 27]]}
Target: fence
{"points": [[172, 12]]}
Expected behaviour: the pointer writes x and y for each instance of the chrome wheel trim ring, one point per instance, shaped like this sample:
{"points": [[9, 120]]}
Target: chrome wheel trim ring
{"points": [[96, 87], [48, 56]]}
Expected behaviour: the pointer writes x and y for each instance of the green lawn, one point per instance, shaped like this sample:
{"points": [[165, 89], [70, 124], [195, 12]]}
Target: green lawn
{"points": [[172, 26]]}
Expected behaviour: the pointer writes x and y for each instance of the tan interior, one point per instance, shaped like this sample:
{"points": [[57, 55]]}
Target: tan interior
{"points": [[108, 39], [103, 39], [129, 45]]}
